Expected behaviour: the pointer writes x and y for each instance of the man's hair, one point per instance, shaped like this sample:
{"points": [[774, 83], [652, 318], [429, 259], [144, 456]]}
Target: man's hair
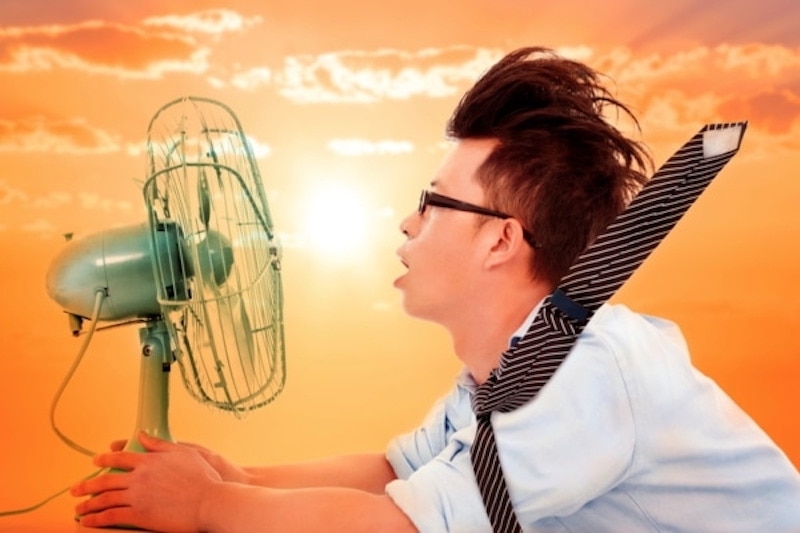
{"points": [[560, 168]]}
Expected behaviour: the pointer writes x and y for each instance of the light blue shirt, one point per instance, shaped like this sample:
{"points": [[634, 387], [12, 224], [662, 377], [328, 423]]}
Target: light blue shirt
{"points": [[627, 436]]}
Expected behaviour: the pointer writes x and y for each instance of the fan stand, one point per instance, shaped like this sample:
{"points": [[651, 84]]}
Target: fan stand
{"points": [[154, 369]]}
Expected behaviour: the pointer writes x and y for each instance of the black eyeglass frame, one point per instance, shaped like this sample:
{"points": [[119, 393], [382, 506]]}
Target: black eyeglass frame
{"points": [[428, 197]]}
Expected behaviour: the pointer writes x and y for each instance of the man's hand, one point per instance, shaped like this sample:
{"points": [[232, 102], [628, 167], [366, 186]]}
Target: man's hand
{"points": [[227, 470], [181, 488], [162, 490]]}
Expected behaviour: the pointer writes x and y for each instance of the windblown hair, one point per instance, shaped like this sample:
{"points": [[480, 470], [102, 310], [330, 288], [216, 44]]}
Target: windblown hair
{"points": [[559, 167]]}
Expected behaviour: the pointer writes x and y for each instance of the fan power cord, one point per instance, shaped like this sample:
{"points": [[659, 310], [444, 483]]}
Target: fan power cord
{"points": [[47, 500], [99, 298]]}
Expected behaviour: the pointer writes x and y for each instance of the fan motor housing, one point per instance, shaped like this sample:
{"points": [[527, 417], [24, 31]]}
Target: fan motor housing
{"points": [[119, 262]]}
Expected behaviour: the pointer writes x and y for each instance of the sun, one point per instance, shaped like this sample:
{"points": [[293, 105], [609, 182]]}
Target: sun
{"points": [[336, 221]]}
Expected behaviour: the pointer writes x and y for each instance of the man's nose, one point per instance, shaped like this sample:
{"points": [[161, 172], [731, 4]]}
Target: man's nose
{"points": [[408, 224]]}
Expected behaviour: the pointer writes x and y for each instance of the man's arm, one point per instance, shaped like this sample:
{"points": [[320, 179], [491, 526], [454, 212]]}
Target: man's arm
{"points": [[176, 487], [366, 472], [369, 471], [241, 508]]}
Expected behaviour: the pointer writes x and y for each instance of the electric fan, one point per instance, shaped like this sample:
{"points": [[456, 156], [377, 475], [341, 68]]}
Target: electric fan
{"points": [[201, 276]]}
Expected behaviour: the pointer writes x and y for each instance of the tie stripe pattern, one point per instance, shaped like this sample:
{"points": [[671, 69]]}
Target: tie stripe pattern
{"points": [[597, 274]]}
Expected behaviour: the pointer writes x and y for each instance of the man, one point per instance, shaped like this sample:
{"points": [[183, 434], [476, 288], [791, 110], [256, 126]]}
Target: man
{"points": [[627, 436]]}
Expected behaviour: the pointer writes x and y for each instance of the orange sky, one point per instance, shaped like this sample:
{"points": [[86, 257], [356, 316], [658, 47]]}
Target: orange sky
{"points": [[346, 102]]}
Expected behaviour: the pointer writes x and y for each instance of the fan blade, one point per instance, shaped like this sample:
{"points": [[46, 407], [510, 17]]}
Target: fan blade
{"points": [[230, 338], [204, 199], [233, 308]]}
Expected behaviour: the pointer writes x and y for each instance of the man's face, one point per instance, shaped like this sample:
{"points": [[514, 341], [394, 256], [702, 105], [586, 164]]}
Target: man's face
{"points": [[443, 251]]}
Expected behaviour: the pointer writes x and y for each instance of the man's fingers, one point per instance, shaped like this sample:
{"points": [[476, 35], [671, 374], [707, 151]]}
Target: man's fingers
{"points": [[114, 516], [102, 483], [104, 500], [118, 460], [154, 444]]}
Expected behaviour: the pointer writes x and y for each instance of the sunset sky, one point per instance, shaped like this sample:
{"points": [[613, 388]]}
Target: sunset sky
{"points": [[345, 103]]}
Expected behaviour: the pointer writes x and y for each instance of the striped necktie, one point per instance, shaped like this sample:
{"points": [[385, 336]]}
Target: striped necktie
{"points": [[596, 275]]}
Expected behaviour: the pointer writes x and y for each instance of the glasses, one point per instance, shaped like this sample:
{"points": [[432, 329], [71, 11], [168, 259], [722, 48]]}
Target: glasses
{"points": [[439, 200]]}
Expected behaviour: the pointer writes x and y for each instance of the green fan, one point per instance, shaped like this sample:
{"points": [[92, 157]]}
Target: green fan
{"points": [[201, 277]]}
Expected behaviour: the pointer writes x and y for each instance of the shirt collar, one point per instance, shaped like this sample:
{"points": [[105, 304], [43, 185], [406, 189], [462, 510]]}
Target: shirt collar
{"points": [[525, 326]]}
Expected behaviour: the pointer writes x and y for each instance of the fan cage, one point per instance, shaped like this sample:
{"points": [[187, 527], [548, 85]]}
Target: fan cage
{"points": [[217, 259]]}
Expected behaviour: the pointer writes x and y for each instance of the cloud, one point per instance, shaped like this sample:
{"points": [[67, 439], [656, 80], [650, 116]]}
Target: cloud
{"points": [[57, 199], [667, 91], [95, 201], [156, 46], [16, 200], [777, 111], [249, 80], [355, 147], [55, 135], [759, 61], [386, 74], [260, 149], [11, 195], [41, 226], [673, 92], [721, 69], [52, 200], [213, 21]]}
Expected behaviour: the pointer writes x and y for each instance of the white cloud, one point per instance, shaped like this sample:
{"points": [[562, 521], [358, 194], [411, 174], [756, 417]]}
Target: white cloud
{"points": [[52, 200], [135, 149], [37, 59], [260, 150], [625, 68], [681, 91], [249, 80], [355, 147], [364, 77], [61, 136], [723, 69], [137, 51], [577, 53], [757, 60], [41, 226], [212, 21], [94, 201], [11, 195], [672, 110]]}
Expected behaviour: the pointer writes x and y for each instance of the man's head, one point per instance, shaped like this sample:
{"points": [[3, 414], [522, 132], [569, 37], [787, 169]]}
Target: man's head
{"points": [[558, 167], [533, 148]]}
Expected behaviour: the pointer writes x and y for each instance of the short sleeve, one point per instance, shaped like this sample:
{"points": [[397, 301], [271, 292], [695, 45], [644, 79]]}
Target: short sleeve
{"points": [[408, 453]]}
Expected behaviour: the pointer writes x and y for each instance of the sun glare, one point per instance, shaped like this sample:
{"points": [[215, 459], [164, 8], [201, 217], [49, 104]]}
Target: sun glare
{"points": [[336, 222]]}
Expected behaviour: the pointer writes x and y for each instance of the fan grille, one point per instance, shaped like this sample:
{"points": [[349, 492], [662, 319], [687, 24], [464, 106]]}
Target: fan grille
{"points": [[217, 258]]}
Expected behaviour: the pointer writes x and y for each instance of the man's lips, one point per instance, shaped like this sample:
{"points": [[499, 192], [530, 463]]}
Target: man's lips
{"points": [[402, 275], [399, 253]]}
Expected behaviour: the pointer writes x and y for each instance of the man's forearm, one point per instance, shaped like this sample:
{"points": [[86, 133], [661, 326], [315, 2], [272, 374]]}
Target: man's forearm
{"points": [[237, 508], [366, 472]]}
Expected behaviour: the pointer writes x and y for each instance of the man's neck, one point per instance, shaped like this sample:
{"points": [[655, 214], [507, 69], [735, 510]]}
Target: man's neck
{"points": [[480, 339]]}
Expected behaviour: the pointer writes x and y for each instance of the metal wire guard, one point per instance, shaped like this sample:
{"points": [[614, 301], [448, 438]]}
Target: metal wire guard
{"points": [[217, 258]]}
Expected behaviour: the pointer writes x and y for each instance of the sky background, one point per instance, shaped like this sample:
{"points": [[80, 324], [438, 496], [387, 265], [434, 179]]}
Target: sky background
{"points": [[345, 103]]}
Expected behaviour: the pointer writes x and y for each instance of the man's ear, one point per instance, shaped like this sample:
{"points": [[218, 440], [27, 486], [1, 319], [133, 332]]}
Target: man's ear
{"points": [[507, 242]]}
